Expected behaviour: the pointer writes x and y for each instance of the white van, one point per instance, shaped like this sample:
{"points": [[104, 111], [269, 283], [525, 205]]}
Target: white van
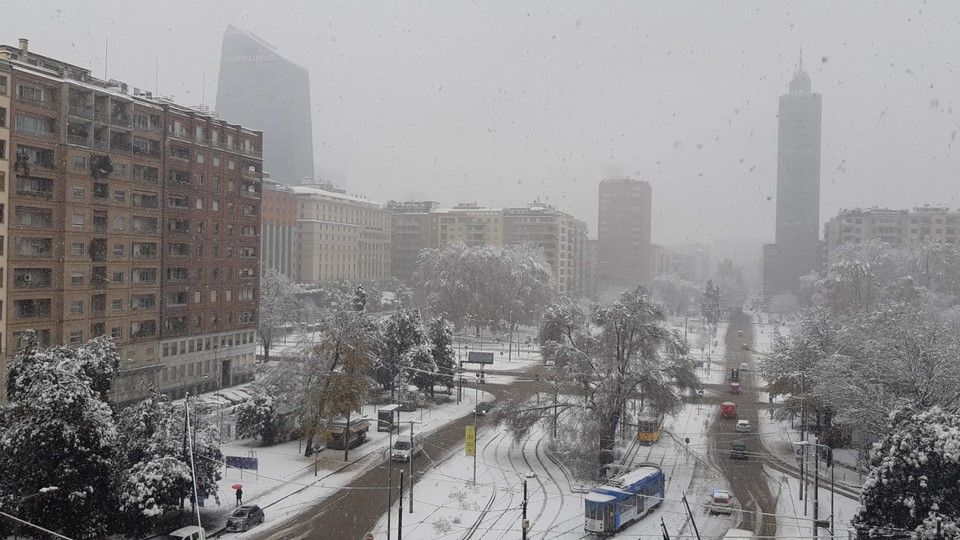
{"points": [[402, 450]]}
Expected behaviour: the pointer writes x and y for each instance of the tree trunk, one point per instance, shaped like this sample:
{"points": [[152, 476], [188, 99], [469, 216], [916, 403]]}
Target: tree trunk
{"points": [[608, 439]]}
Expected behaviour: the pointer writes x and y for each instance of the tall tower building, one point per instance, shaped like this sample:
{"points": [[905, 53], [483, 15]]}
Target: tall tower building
{"points": [[798, 183], [623, 233], [261, 89]]}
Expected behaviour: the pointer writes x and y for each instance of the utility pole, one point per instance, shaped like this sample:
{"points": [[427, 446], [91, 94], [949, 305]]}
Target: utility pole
{"points": [[663, 527], [816, 491], [400, 510], [346, 440], [689, 513], [411, 467], [523, 523], [476, 401], [390, 476], [803, 437]]}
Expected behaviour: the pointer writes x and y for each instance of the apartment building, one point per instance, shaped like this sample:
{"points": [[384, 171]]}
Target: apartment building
{"points": [[341, 236], [561, 237], [623, 233], [280, 236], [4, 205], [411, 231], [132, 217], [468, 223], [927, 224]]}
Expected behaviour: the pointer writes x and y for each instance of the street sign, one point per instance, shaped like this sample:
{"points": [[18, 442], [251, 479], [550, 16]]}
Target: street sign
{"points": [[475, 357], [470, 438], [242, 462]]}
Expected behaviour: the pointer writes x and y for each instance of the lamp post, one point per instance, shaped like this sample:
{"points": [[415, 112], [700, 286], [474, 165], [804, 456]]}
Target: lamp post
{"points": [[524, 524], [816, 484]]}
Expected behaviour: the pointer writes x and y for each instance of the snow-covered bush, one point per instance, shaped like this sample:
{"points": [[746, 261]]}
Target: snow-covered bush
{"points": [[257, 417], [914, 477]]}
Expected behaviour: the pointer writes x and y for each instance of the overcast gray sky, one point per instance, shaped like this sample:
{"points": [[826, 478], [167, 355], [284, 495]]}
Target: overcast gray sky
{"points": [[502, 102]]}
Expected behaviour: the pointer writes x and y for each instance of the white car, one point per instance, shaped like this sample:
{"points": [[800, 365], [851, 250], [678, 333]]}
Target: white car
{"points": [[744, 366], [743, 426], [721, 502], [402, 450]]}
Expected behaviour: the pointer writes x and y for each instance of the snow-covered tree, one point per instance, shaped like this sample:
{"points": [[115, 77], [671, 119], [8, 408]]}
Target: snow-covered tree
{"points": [[336, 370], [484, 286], [280, 304], [729, 278], [400, 332], [421, 369], [257, 417], [440, 336], [784, 304], [678, 294], [914, 478], [626, 353], [152, 441], [359, 298], [57, 431], [561, 321], [710, 303]]}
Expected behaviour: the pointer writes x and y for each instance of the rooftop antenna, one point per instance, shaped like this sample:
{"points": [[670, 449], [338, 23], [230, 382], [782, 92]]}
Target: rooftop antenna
{"points": [[106, 55], [800, 64], [156, 75]]}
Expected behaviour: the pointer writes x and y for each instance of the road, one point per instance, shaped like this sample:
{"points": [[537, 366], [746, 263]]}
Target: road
{"points": [[354, 510], [747, 478]]}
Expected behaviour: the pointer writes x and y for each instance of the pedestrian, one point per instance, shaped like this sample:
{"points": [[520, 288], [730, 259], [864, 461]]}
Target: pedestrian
{"points": [[239, 496]]}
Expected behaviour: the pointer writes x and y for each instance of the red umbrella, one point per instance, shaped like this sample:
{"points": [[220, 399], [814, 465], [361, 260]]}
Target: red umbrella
{"points": [[237, 486]]}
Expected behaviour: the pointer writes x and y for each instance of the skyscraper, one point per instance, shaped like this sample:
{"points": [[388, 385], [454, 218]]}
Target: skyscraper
{"points": [[798, 186], [261, 89], [623, 233]]}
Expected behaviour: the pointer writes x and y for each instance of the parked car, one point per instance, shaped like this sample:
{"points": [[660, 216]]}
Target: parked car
{"points": [[743, 426], [738, 450], [403, 451], [721, 502], [191, 532], [744, 366], [728, 409], [245, 518]]}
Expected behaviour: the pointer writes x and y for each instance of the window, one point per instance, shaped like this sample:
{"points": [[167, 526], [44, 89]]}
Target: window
{"points": [[79, 163], [213, 297], [116, 304], [79, 192], [78, 248], [200, 157], [30, 93], [227, 295], [216, 161], [119, 195], [215, 205], [76, 337], [118, 223], [76, 278], [117, 332], [34, 125], [231, 164], [199, 203], [78, 219], [118, 250], [76, 307], [118, 277]]}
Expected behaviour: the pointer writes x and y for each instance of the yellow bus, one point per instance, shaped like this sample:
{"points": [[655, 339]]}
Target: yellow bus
{"points": [[648, 430]]}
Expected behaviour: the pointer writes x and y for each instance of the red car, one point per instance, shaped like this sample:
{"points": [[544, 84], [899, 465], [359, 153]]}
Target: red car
{"points": [[728, 409]]}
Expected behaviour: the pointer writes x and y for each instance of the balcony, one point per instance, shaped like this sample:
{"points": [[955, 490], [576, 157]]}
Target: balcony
{"points": [[41, 188], [32, 309], [32, 278], [82, 110]]}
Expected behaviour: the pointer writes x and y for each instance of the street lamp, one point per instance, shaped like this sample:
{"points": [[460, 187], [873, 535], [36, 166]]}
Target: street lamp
{"points": [[525, 524], [816, 484]]}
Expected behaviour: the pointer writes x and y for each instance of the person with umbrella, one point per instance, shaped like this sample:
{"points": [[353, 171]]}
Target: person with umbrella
{"points": [[239, 490]]}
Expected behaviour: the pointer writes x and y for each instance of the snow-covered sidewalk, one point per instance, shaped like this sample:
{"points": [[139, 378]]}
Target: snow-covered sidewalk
{"points": [[287, 483]]}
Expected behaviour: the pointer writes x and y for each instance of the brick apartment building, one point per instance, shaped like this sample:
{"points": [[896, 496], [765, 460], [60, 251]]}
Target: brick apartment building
{"points": [[561, 236], [133, 217]]}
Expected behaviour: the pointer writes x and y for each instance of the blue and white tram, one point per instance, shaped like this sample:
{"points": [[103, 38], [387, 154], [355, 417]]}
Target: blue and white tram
{"points": [[623, 500]]}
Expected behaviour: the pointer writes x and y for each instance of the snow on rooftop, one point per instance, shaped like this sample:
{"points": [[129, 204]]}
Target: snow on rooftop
{"points": [[310, 190], [636, 475]]}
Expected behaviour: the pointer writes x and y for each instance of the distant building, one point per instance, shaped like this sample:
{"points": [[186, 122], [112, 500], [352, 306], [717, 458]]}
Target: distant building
{"points": [[279, 235], [623, 232], [558, 234], [468, 223], [772, 277], [341, 236], [745, 252], [798, 184], [411, 231], [691, 262], [591, 269], [919, 226], [128, 216], [261, 89]]}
